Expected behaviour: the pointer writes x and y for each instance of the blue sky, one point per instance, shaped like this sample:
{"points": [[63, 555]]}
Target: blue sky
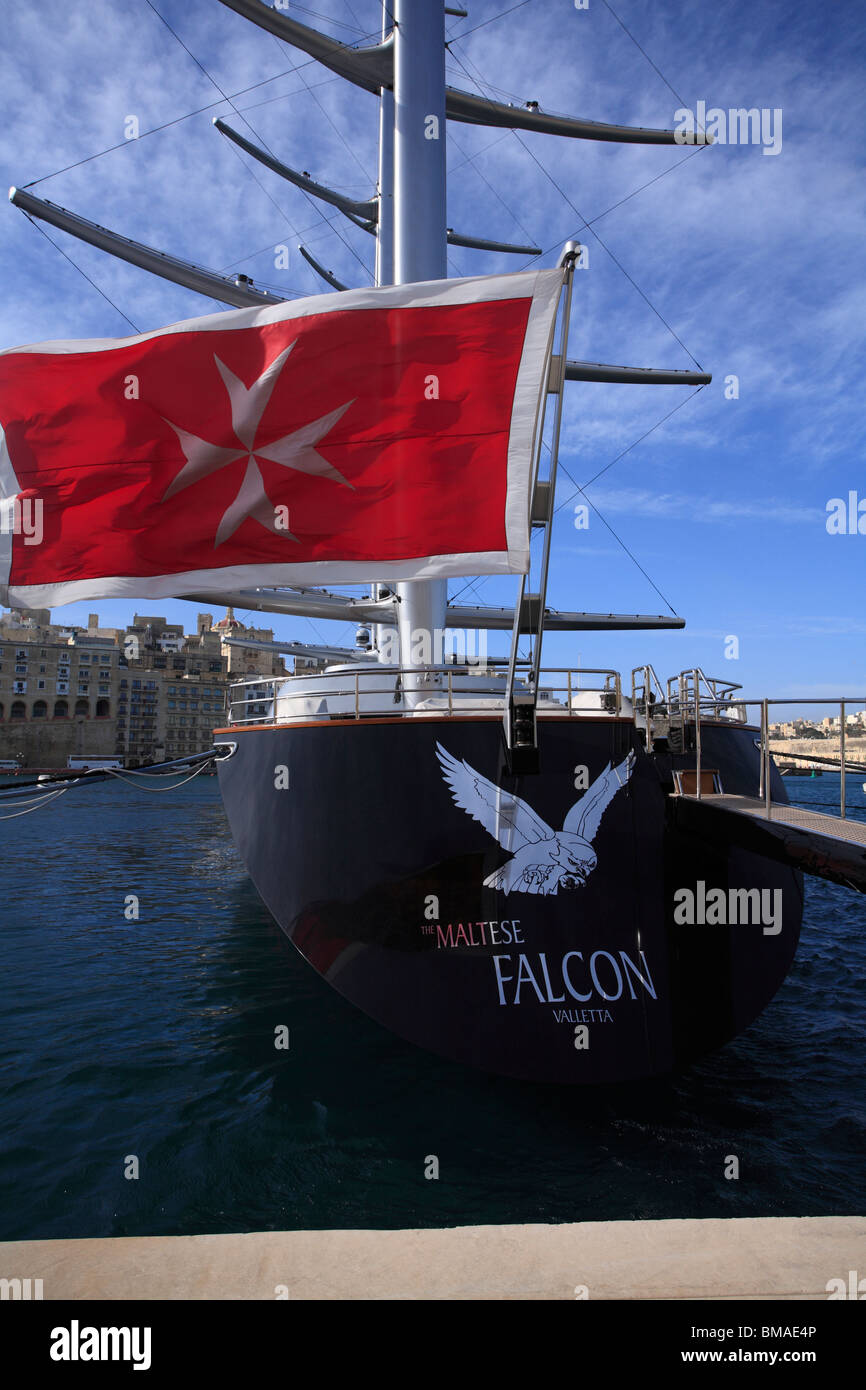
{"points": [[754, 261]]}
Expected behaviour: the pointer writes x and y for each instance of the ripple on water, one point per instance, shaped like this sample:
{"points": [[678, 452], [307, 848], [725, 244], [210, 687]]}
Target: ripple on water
{"points": [[155, 1039]]}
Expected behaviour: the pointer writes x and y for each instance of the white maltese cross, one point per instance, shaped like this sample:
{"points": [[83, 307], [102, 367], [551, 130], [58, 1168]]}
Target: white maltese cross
{"points": [[296, 450]]}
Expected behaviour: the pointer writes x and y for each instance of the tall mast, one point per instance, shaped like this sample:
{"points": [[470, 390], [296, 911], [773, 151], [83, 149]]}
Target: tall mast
{"points": [[384, 238], [419, 240], [409, 218]]}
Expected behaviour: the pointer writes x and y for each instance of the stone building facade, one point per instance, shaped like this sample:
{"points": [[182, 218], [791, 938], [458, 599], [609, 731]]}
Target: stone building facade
{"points": [[144, 694]]}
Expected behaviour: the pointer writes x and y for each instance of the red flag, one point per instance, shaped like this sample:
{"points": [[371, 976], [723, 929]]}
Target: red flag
{"points": [[372, 434]]}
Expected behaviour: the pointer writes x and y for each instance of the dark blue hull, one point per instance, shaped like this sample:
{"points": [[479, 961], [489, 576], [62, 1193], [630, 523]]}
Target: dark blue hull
{"points": [[579, 967]]}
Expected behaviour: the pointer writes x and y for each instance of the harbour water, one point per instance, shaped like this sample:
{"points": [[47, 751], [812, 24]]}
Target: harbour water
{"points": [[154, 1038]]}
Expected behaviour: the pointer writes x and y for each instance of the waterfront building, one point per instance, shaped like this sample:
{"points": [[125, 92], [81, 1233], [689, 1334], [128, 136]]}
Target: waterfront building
{"points": [[144, 694]]}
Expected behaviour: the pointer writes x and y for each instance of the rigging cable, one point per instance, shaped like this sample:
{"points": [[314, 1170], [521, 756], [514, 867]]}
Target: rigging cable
{"points": [[644, 52], [639, 440], [470, 159], [617, 538], [82, 272], [493, 19], [480, 79], [246, 122], [176, 120]]}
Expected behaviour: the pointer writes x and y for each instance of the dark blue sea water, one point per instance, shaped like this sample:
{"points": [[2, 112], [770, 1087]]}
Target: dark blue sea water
{"points": [[154, 1038]]}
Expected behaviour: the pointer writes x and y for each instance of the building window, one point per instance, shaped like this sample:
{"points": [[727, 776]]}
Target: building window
{"points": [[19, 687], [21, 668], [42, 670], [40, 709], [103, 709], [105, 660], [21, 654], [62, 687], [40, 685], [61, 709], [82, 707], [17, 711]]}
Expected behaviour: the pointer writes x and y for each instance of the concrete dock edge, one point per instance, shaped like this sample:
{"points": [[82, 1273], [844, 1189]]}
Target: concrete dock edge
{"points": [[752, 1258]]}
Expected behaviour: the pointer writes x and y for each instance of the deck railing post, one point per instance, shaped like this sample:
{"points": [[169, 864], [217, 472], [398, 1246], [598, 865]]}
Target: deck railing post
{"points": [[696, 686], [842, 760], [765, 755]]}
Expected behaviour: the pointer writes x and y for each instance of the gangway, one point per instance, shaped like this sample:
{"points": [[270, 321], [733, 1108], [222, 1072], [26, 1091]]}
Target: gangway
{"points": [[825, 846], [817, 842]]}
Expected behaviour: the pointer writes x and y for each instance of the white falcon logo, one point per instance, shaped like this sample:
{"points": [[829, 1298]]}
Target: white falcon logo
{"points": [[296, 450], [544, 860]]}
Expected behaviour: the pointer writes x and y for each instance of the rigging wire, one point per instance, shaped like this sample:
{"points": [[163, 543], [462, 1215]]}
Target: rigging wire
{"points": [[639, 440], [370, 180], [557, 245], [284, 96], [352, 13], [581, 490], [330, 120], [644, 52], [77, 267], [616, 537], [338, 23], [476, 80], [177, 120], [492, 19], [479, 79], [617, 262], [470, 159], [249, 124]]}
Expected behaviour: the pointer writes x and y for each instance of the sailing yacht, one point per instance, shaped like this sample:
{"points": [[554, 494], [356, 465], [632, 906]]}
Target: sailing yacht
{"points": [[531, 870]]}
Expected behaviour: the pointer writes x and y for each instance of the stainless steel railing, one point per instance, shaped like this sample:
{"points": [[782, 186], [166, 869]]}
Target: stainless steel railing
{"points": [[459, 691], [764, 789], [648, 700]]}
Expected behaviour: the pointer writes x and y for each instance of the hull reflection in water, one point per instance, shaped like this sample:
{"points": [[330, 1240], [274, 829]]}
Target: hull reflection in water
{"points": [[525, 925]]}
